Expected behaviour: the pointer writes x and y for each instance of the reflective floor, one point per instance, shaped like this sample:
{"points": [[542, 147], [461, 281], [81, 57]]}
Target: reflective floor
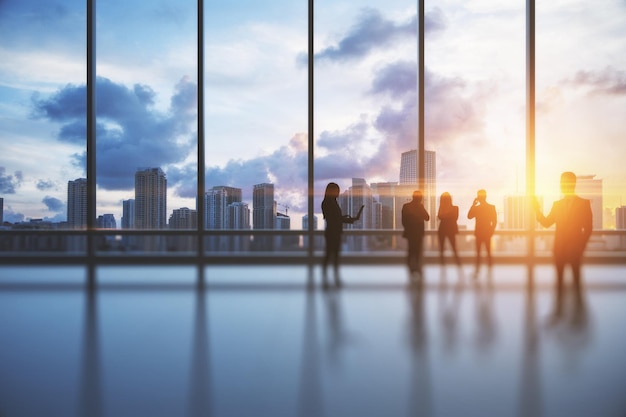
{"points": [[256, 342]]}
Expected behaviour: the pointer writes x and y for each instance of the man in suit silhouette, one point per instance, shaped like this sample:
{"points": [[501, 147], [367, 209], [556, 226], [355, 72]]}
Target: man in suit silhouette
{"points": [[486, 220], [413, 217], [573, 219]]}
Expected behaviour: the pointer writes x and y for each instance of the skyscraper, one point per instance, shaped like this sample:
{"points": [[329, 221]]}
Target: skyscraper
{"points": [[350, 201], [237, 216], [150, 198], [587, 186], [408, 167], [408, 176], [263, 206], [77, 203], [620, 218], [128, 214], [1, 211], [216, 202], [386, 192]]}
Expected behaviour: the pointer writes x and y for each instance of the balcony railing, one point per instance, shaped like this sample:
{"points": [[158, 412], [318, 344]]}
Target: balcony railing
{"points": [[276, 246]]}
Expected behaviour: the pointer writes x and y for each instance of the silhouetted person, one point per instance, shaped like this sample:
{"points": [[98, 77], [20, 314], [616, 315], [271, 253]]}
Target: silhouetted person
{"points": [[486, 219], [448, 228], [413, 217], [334, 229], [573, 219]]}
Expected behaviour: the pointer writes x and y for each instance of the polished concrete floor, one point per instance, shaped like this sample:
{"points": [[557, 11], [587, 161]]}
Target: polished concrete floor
{"points": [[256, 341]]}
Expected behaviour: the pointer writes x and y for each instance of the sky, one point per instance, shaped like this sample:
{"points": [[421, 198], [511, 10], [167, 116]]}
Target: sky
{"points": [[256, 97]]}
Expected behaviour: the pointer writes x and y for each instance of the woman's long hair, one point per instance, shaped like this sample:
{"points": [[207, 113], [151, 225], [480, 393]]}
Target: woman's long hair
{"points": [[332, 190], [445, 202]]}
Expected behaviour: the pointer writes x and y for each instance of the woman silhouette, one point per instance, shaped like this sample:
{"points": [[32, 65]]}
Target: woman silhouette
{"points": [[448, 215], [334, 228]]}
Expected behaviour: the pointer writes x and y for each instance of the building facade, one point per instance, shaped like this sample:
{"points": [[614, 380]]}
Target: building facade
{"points": [[150, 199], [77, 204], [263, 206]]}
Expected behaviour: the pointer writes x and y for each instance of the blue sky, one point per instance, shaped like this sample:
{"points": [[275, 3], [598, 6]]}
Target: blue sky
{"points": [[256, 96]]}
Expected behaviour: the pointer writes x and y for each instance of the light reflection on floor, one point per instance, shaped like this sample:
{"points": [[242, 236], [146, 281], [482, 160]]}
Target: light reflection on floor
{"points": [[256, 342]]}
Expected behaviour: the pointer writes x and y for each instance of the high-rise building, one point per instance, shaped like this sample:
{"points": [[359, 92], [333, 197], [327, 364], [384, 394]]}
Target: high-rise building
{"points": [[237, 216], [106, 221], [350, 201], [408, 167], [587, 186], [128, 214], [183, 218], [386, 192], [216, 202], [77, 203], [1, 211], [408, 176], [263, 206], [150, 198], [620, 218]]}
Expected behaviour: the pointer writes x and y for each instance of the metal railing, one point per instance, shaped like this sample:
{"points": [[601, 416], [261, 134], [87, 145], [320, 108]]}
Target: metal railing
{"points": [[276, 246]]}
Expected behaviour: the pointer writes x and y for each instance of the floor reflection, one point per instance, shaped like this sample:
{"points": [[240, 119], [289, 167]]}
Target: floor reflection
{"points": [[90, 396], [486, 329], [443, 347], [200, 394], [420, 391], [310, 398], [530, 368]]}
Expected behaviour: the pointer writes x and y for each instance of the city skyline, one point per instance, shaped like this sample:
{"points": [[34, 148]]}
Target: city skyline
{"points": [[224, 208]]}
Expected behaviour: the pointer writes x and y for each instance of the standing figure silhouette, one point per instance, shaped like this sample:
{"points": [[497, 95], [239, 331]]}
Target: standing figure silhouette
{"points": [[413, 217], [486, 220], [334, 228], [573, 218], [448, 215]]}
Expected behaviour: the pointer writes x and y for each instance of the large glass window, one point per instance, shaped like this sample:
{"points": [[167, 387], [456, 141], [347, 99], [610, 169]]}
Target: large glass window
{"points": [[475, 114], [581, 97], [146, 107], [256, 124], [365, 111], [256, 121], [42, 129]]}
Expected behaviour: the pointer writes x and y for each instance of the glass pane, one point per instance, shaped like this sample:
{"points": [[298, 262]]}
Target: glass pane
{"points": [[365, 114], [256, 122], [146, 122], [42, 123], [475, 92], [581, 97]]}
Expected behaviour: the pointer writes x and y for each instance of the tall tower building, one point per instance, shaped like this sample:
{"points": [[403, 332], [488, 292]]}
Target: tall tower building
{"points": [[237, 216], [150, 199], [408, 167], [263, 206], [77, 203], [1, 211], [620, 218], [350, 201], [408, 177], [216, 202], [386, 192], [128, 214], [587, 186]]}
